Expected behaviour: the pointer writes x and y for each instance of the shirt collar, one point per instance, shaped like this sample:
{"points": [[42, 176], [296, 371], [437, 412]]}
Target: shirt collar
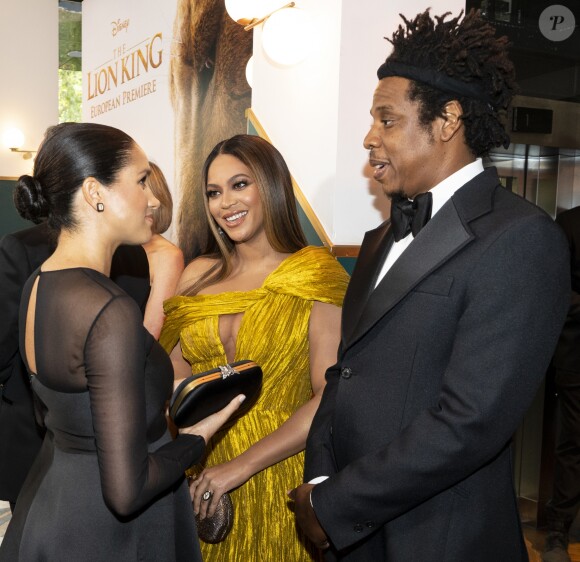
{"points": [[443, 191]]}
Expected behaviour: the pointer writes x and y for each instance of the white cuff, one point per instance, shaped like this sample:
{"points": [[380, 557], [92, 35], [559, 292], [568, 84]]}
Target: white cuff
{"points": [[316, 480]]}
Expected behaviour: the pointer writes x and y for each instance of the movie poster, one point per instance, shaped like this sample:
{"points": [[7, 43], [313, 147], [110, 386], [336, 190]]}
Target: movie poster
{"points": [[172, 75]]}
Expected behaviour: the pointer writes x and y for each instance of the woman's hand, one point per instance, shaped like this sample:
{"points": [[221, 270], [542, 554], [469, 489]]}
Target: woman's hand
{"points": [[208, 426], [216, 480]]}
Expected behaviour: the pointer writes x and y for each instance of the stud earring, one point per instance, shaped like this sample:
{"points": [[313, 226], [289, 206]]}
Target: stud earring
{"points": [[100, 207]]}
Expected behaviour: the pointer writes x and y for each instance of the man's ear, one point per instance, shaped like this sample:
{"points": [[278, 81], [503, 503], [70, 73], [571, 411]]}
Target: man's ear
{"points": [[91, 192], [452, 122]]}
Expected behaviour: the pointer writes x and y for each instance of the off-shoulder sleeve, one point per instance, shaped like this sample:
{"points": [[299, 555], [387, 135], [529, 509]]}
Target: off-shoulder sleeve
{"points": [[115, 366], [312, 273]]}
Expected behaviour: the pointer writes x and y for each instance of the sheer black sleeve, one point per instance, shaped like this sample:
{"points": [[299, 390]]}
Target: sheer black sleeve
{"points": [[115, 364]]}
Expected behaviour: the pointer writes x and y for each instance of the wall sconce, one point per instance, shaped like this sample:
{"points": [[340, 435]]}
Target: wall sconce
{"points": [[13, 139], [287, 36], [26, 154], [287, 32]]}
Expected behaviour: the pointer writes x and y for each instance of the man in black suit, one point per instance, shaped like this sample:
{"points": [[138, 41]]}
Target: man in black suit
{"points": [[448, 325], [20, 254], [565, 502], [20, 437]]}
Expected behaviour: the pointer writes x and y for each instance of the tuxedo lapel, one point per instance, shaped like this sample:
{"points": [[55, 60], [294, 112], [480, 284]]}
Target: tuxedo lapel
{"points": [[374, 249], [440, 239]]}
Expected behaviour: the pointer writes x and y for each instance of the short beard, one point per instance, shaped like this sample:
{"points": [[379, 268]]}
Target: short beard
{"points": [[398, 193]]}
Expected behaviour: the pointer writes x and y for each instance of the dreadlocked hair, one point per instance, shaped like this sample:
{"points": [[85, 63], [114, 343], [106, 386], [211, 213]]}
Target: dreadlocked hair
{"points": [[466, 50]]}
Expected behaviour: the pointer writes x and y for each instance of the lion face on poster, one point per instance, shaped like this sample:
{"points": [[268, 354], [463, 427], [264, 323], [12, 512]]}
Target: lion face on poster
{"points": [[209, 95]]}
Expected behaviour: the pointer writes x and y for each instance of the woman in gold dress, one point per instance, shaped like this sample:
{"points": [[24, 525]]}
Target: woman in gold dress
{"points": [[258, 292]]}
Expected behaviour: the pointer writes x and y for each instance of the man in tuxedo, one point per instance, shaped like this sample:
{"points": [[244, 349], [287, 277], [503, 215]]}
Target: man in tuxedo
{"points": [[563, 508], [449, 321], [20, 254]]}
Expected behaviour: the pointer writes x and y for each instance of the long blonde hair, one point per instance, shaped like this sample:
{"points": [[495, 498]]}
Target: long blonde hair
{"points": [[274, 183], [158, 185]]}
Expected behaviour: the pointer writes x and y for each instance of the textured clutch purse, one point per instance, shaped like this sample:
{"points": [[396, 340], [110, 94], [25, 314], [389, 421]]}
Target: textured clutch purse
{"points": [[205, 393], [215, 529]]}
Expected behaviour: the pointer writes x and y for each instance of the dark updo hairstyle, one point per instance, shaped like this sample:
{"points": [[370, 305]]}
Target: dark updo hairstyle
{"points": [[68, 154]]}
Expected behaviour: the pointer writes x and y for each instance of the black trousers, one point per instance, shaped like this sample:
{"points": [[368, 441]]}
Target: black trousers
{"points": [[565, 502]]}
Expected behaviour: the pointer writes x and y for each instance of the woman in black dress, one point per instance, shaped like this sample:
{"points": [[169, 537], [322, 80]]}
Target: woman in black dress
{"points": [[108, 483]]}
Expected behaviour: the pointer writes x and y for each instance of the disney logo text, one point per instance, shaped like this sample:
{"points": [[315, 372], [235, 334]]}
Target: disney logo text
{"points": [[119, 26]]}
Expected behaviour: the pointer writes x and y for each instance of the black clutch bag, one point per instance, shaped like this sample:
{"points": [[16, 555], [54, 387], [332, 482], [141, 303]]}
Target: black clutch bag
{"points": [[205, 393]]}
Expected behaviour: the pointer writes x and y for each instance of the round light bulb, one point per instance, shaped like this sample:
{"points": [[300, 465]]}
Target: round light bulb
{"points": [[13, 138], [250, 71], [265, 7], [287, 36], [242, 9]]}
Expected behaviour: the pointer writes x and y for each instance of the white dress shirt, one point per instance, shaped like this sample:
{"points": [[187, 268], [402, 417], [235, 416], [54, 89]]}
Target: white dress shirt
{"points": [[441, 193]]}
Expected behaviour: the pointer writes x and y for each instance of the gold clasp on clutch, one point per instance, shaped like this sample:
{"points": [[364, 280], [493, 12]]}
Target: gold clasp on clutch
{"points": [[227, 370]]}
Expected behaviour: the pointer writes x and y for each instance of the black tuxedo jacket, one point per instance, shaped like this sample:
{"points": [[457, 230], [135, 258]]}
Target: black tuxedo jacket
{"points": [[20, 254], [20, 438], [436, 368]]}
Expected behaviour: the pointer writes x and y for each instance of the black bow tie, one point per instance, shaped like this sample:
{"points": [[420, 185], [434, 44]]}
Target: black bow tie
{"points": [[410, 216]]}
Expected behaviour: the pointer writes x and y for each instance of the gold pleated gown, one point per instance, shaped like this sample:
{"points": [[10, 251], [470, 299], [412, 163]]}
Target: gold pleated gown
{"points": [[273, 333]]}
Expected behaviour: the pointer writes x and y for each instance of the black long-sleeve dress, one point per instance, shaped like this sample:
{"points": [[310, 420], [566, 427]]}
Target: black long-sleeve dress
{"points": [[108, 482]]}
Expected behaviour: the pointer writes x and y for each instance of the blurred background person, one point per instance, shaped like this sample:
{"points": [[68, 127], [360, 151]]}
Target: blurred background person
{"points": [[563, 507], [20, 436], [165, 259], [108, 482], [257, 292]]}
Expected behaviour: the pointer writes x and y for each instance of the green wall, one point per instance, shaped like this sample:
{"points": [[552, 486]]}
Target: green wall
{"points": [[10, 220]]}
